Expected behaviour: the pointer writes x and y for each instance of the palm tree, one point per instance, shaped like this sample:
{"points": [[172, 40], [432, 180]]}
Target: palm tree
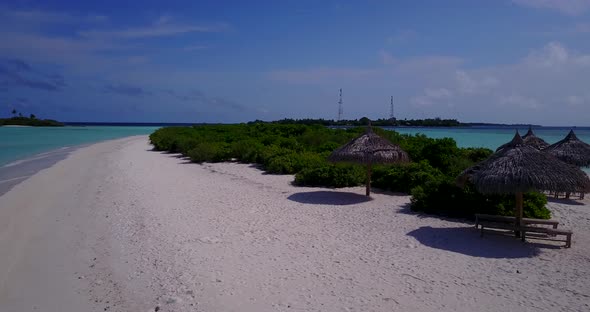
{"points": [[33, 116], [14, 112]]}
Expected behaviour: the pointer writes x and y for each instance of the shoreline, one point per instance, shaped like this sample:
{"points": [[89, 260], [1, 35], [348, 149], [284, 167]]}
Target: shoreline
{"points": [[118, 227], [17, 171]]}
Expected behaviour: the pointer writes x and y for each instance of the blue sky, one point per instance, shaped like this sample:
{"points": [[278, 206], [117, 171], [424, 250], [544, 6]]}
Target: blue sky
{"points": [[508, 61]]}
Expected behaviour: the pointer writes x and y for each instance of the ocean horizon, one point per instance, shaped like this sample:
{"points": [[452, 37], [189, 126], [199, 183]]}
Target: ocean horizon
{"points": [[18, 143]]}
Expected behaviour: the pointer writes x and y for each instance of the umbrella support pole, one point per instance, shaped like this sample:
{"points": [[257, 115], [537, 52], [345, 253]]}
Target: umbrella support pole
{"points": [[368, 182], [518, 213]]}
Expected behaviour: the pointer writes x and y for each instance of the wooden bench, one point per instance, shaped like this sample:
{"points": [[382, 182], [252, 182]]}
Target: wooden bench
{"points": [[537, 232], [547, 231], [505, 219], [497, 225]]}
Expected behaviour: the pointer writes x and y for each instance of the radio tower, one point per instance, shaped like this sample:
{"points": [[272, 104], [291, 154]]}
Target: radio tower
{"points": [[391, 117], [340, 106]]}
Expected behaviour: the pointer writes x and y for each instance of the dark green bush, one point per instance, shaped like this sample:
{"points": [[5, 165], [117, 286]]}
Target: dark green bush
{"points": [[303, 149], [404, 177], [247, 151], [445, 198], [331, 176], [208, 152], [293, 163]]}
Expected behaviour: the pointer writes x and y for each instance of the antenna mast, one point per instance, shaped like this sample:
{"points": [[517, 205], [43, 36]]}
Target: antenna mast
{"points": [[340, 110], [391, 116]]}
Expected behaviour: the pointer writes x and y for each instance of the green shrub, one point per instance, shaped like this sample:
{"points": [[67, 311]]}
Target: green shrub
{"points": [[208, 152], [267, 153], [246, 151], [331, 176], [285, 148], [444, 198], [404, 177], [293, 163]]}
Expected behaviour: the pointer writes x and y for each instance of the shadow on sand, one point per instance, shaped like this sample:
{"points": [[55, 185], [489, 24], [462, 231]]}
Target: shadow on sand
{"points": [[329, 198], [467, 241], [571, 202]]}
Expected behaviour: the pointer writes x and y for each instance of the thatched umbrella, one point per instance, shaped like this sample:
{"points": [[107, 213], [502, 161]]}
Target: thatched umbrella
{"points": [[368, 149], [530, 139], [571, 150], [520, 168]]}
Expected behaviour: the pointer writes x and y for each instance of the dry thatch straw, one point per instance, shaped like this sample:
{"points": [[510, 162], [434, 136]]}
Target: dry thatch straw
{"points": [[571, 150], [368, 149], [519, 168], [530, 139]]}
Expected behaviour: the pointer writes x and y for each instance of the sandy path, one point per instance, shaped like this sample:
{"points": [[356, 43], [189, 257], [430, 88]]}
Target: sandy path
{"points": [[225, 237]]}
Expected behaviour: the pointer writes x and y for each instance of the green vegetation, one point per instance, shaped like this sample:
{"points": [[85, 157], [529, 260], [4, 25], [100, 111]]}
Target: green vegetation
{"points": [[19, 120], [430, 122], [299, 149]]}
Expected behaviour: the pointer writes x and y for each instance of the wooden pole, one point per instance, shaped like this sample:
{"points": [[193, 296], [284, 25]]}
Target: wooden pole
{"points": [[518, 212], [368, 183]]}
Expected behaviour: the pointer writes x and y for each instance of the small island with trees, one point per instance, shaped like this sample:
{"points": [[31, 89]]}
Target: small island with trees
{"points": [[18, 119]]}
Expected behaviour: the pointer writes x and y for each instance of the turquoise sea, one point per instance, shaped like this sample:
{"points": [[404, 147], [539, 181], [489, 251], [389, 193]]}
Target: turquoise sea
{"points": [[22, 142]]}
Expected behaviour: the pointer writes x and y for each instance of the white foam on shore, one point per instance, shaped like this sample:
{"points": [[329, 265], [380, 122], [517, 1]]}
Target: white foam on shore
{"points": [[37, 156]]}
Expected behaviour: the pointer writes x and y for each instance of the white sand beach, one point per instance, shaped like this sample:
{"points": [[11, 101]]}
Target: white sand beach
{"points": [[118, 227]]}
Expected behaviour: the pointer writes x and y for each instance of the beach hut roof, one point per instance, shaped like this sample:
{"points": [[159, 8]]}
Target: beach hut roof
{"points": [[571, 150], [369, 148], [530, 139], [519, 168]]}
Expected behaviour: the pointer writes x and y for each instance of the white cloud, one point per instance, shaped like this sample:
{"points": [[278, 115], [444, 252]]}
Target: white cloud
{"points": [[431, 97], [386, 57], [569, 7], [467, 84], [156, 30], [554, 54], [577, 100], [50, 17], [519, 101], [528, 90], [195, 48], [402, 36], [321, 74], [440, 93]]}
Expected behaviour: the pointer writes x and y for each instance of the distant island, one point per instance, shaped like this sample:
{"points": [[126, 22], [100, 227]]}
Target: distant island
{"points": [[32, 121], [429, 122]]}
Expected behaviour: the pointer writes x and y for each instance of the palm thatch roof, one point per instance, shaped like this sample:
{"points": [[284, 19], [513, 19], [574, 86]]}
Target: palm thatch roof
{"points": [[530, 139], [519, 168], [369, 148], [571, 150]]}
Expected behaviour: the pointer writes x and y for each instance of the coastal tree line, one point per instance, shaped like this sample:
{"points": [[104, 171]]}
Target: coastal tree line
{"points": [[430, 122], [302, 150], [18, 119]]}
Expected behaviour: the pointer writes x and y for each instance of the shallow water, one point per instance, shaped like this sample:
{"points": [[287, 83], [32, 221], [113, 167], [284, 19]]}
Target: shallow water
{"points": [[492, 138], [23, 142]]}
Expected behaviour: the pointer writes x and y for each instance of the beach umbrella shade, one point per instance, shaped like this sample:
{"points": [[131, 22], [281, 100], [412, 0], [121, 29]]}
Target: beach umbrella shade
{"points": [[530, 139], [369, 149], [571, 150], [520, 168]]}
